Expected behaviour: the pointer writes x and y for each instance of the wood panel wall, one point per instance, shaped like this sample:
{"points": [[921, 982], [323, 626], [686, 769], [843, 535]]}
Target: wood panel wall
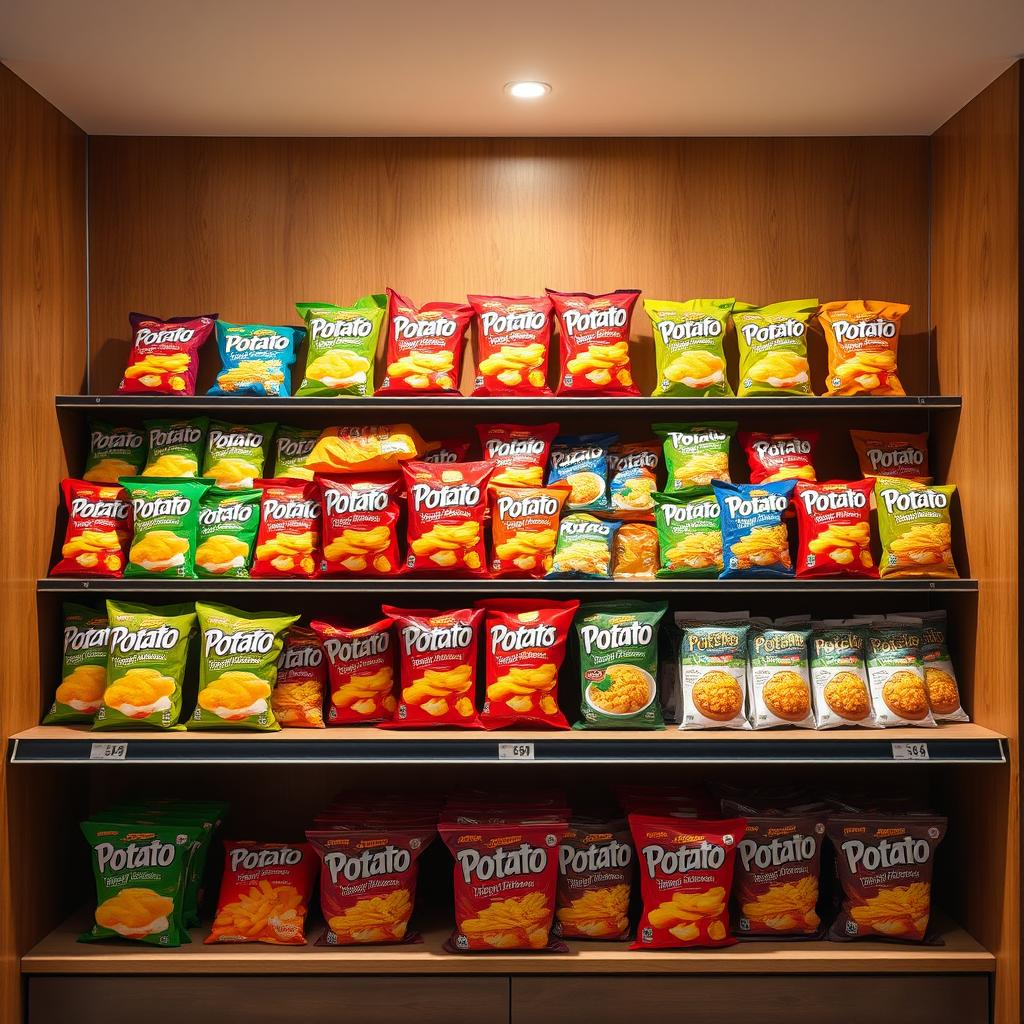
{"points": [[42, 352], [976, 317]]}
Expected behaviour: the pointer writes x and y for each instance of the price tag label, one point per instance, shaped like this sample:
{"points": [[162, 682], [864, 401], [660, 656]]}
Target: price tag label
{"points": [[108, 752], [515, 751], [910, 751]]}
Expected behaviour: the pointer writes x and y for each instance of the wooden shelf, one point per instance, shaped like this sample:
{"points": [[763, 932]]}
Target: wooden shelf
{"points": [[948, 744], [60, 953]]}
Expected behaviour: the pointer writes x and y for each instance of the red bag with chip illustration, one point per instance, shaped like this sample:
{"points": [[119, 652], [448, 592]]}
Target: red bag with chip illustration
{"points": [[834, 520], [784, 456], [513, 341], [164, 358], [98, 532], [288, 543], [361, 664], [519, 453], [359, 534]]}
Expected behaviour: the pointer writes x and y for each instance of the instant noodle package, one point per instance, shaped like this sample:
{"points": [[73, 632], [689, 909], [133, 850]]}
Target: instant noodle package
{"points": [[164, 357], [780, 687], [361, 667], [773, 348], [297, 700], [98, 531], [713, 669], [256, 359], [896, 675], [342, 345], [513, 342], [862, 337], [939, 674], [83, 674], [839, 676], [689, 345]]}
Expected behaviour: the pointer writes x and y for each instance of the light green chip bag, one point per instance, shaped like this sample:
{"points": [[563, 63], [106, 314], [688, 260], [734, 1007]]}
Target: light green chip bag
{"points": [[228, 524], [773, 347], [689, 346], [342, 346], [695, 453], [175, 446], [84, 669], [165, 515], [236, 453], [113, 452], [292, 446], [145, 665], [689, 535], [238, 667]]}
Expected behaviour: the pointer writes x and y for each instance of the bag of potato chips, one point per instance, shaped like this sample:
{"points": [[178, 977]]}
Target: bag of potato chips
{"points": [[584, 548], [524, 529], [689, 344], [582, 462], [84, 668], [228, 523], [297, 699], [900, 455], [695, 453], [361, 663], [632, 478], [292, 447], [635, 552], [689, 535], [256, 360], [114, 452], [359, 524], [862, 336], [288, 542], [165, 515], [773, 348], [372, 449], [782, 456], [519, 453], [342, 345], [236, 453], [514, 336], [595, 879], [175, 447], [755, 540], [915, 528], [164, 358], [98, 530]]}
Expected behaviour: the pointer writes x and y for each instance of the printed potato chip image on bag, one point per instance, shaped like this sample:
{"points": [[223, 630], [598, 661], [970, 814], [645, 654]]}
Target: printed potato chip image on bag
{"points": [[595, 879], [114, 452], [834, 520], [915, 528], [897, 455], [863, 336], [755, 540], [98, 531], [939, 673], [524, 529], [896, 676], [713, 666], [292, 447], [360, 525], [297, 699], [342, 346], [689, 535], [83, 675], [164, 357], [584, 548], [695, 454], [513, 341], [785, 456], [689, 340], [361, 664], [256, 359], [373, 449], [175, 447], [228, 523], [780, 686], [288, 542], [236, 453], [773, 348], [519, 453], [635, 552], [840, 678], [165, 521]]}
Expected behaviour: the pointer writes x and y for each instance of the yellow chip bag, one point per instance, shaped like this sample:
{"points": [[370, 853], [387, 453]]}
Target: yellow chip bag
{"points": [[862, 336], [373, 449], [688, 345]]}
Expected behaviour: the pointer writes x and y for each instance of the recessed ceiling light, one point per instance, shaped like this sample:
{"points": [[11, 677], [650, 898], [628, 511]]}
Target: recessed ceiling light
{"points": [[527, 90]]}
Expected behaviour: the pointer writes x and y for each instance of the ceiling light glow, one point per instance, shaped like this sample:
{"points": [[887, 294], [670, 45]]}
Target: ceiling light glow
{"points": [[527, 90]]}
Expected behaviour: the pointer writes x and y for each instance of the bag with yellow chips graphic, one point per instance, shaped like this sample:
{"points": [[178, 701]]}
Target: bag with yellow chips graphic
{"points": [[689, 340], [84, 669], [236, 453], [915, 529], [342, 344], [166, 523], [695, 453], [228, 522], [145, 665], [373, 449], [175, 447], [237, 667], [773, 347], [862, 336], [114, 452]]}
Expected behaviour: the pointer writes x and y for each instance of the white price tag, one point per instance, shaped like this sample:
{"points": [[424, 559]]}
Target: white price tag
{"points": [[108, 752], [515, 751], [910, 751]]}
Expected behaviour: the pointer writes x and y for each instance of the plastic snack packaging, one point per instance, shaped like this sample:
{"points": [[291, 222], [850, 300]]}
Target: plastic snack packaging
{"points": [[288, 543], [449, 450], [595, 879], [165, 520], [519, 454], [686, 868], [896, 676], [236, 453], [834, 521], [256, 359], [695, 454], [342, 346], [594, 331], [618, 658], [361, 667], [360, 525], [635, 552], [884, 864], [939, 673], [689, 535], [98, 530], [755, 540], [524, 529], [297, 699], [145, 665], [584, 548], [292, 447], [689, 345], [141, 874], [373, 449], [83, 675], [915, 528], [895, 455], [787, 456], [175, 447], [424, 353], [238, 658], [228, 524], [265, 893], [582, 462], [773, 347], [438, 666], [114, 452], [632, 472], [513, 342], [516, 913], [839, 676], [862, 337], [780, 686], [713, 665], [526, 640], [164, 357]]}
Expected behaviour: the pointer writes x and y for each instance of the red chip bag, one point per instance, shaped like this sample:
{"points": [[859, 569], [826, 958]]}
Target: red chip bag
{"points": [[519, 454], [595, 878], [450, 450], [834, 521], [787, 456], [361, 663], [98, 532], [424, 353], [506, 878], [368, 882], [513, 341], [298, 695], [165, 354], [359, 535], [264, 893], [438, 658], [595, 342], [686, 868], [526, 640], [447, 507], [288, 543]]}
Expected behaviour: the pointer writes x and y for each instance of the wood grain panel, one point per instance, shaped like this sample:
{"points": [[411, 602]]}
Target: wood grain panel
{"points": [[42, 325], [975, 277]]}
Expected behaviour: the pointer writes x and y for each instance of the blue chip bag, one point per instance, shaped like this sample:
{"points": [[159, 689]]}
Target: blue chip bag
{"points": [[256, 359], [582, 462], [755, 540]]}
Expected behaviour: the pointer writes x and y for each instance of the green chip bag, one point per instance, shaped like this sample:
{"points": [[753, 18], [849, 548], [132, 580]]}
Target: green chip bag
{"points": [[695, 453], [114, 452], [145, 665], [342, 345], [773, 347], [175, 446], [915, 528], [292, 446], [84, 669], [141, 875], [689, 346], [689, 535], [238, 667], [236, 453], [618, 653], [228, 524], [165, 513]]}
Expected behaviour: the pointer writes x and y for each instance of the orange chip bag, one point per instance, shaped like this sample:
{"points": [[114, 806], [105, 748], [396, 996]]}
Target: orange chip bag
{"points": [[360, 525], [264, 893], [298, 695], [862, 336], [899, 455], [362, 667], [519, 454], [524, 528], [635, 552], [372, 449], [288, 543]]}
